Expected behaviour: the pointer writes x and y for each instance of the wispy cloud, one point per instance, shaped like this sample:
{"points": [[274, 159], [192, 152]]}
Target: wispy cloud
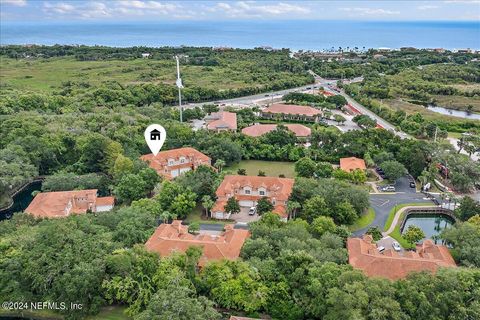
{"points": [[18, 3], [370, 11], [251, 9], [462, 1], [58, 7], [427, 7]]}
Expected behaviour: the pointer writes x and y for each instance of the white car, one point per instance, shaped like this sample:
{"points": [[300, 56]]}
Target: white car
{"points": [[381, 249], [396, 246], [252, 211]]}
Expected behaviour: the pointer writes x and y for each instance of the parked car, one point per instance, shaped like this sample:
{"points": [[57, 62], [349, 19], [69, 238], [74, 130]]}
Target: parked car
{"points": [[396, 246], [412, 184], [381, 249], [389, 189], [252, 211]]}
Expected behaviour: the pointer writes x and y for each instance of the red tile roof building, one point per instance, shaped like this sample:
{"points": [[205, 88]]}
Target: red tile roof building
{"points": [[64, 203], [352, 163], [222, 121], [261, 129], [363, 254], [174, 237], [292, 112], [172, 163], [249, 189]]}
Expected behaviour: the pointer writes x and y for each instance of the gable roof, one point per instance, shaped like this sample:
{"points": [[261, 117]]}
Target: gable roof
{"points": [[352, 163], [169, 238], [62, 203], [260, 129], [280, 188], [292, 109], [363, 254], [223, 119], [159, 161]]}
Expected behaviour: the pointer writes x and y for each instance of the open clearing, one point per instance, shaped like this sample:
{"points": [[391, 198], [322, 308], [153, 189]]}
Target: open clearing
{"points": [[271, 168]]}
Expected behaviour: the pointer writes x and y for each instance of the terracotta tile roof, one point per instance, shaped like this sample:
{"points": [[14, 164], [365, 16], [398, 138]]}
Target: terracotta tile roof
{"points": [[241, 318], [63, 203], [160, 161], [169, 238], [292, 109], [260, 129], [364, 255], [222, 120], [352, 163], [105, 201], [278, 188]]}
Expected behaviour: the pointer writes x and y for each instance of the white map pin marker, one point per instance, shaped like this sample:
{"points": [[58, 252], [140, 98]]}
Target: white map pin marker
{"points": [[155, 136]]}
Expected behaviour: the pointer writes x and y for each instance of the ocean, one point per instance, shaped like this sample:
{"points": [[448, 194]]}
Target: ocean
{"points": [[293, 34]]}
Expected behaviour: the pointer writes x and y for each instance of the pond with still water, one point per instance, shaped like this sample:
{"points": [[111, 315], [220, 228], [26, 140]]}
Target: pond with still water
{"points": [[432, 225], [454, 113], [21, 200]]}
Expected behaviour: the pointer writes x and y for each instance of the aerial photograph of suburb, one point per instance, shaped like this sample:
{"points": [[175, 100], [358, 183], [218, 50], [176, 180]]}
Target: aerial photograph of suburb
{"points": [[240, 160]]}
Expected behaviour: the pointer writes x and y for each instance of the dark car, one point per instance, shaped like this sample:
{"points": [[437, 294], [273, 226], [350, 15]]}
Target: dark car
{"points": [[412, 184]]}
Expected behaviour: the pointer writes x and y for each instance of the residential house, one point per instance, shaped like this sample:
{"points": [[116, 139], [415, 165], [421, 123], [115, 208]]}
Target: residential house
{"points": [[222, 121], [292, 112], [174, 237], [257, 130], [249, 189], [172, 163], [352, 164], [363, 254], [61, 204]]}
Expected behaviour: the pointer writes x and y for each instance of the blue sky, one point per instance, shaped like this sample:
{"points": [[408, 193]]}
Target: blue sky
{"points": [[133, 10]]}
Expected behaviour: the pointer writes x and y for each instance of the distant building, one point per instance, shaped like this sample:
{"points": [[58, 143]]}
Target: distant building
{"points": [[352, 163], [174, 237], [145, 55], [222, 121], [257, 130], [363, 254], [172, 163], [468, 50], [249, 189], [61, 204], [292, 112]]}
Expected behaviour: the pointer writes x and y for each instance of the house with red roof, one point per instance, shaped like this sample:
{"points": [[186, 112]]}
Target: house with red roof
{"points": [[292, 112], [222, 121], [363, 254], [247, 190], [352, 164], [174, 237], [172, 163], [257, 130], [60, 204]]}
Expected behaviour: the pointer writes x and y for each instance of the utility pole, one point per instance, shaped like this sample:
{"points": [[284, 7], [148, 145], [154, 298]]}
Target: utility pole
{"points": [[180, 86]]}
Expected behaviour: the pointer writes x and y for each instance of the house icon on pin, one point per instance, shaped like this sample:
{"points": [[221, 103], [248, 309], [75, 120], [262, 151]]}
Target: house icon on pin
{"points": [[154, 134]]}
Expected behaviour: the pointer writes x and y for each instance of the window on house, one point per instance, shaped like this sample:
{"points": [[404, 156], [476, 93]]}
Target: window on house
{"points": [[274, 201], [170, 162], [262, 193], [247, 191], [182, 160]]}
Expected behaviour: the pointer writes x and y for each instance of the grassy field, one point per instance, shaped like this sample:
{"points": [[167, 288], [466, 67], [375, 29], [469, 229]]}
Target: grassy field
{"points": [[394, 210], [198, 215], [271, 168], [48, 74], [363, 221]]}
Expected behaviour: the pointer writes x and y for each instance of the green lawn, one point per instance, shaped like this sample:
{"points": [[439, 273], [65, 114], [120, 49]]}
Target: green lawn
{"points": [[271, 168], [365, 220], [198, 215], [394, 210]]}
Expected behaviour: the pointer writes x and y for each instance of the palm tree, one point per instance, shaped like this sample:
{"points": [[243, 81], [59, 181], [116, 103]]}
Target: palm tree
{"points": [[219, 164], [292, 207], [207, 204]]}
